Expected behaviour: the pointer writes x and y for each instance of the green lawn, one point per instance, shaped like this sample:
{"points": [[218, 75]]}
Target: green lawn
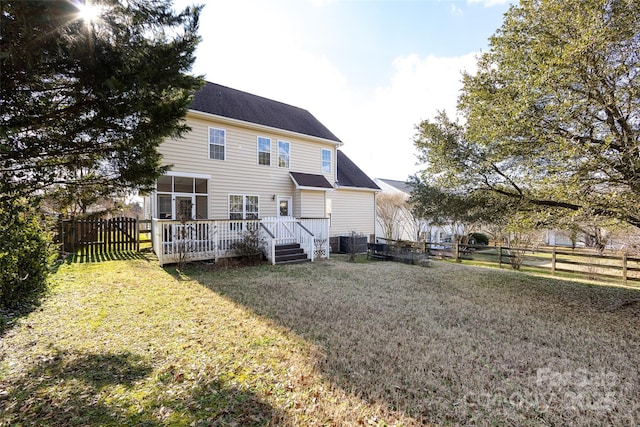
{"points": [[328, 343]]}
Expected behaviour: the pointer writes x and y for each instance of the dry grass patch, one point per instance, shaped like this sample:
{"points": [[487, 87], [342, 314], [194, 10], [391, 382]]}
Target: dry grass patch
{"points": [[127, 343], [328, 343], [456, 344]]}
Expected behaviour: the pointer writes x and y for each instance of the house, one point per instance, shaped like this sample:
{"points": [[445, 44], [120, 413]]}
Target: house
{"points": [[254, 163], [394, 219]]}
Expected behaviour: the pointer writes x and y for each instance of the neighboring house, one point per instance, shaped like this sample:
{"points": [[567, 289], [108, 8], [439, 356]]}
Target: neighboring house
{"points": [[249, 161], [395, 217]]}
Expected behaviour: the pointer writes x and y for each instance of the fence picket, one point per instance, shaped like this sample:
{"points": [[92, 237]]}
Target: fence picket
{"points": [[90, 238]]}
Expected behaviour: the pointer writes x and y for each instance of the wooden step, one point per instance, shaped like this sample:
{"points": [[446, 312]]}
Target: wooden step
{"points": [[290, 253]]}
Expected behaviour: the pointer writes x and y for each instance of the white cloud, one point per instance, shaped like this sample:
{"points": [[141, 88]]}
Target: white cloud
{"points": [[379, 139], [455, 10], [375, 124], [489, 3], [262, 55]]}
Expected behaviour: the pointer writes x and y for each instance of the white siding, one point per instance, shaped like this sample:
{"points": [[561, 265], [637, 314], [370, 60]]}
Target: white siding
{"points": [[240, 173], [352, 210], [312, 204]]}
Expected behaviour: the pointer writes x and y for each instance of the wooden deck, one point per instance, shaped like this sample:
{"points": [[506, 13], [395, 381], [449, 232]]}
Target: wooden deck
{"points": [[215, 239]]}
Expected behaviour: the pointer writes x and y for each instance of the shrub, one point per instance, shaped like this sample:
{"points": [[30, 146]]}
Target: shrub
{"points": [[25, 254], [249, 248]]}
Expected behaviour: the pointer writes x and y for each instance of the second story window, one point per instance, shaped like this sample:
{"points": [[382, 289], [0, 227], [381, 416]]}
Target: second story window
{"points": [[326, 161], [217, 143], [283, 154], [264, 151]]}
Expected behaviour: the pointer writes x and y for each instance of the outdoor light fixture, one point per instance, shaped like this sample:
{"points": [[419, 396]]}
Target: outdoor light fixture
{"points": [[273, 197]]}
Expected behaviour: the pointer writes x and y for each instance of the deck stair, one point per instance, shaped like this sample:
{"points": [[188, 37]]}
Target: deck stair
{"points": [[290, 253]]}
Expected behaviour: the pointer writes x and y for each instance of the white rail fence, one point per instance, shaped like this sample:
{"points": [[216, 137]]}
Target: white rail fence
{"points": [[199, 240]]}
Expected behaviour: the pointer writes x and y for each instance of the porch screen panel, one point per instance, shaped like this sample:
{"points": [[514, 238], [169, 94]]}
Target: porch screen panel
{"points": [[174, 190], [165, 183], [201, 186], [201, 207], [164, 206], [182, 184]]}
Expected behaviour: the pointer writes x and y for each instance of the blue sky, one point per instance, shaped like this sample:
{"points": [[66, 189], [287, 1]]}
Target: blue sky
{"points": [[369, 70]]}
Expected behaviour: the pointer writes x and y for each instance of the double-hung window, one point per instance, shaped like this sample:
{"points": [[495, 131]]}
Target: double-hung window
{"points": [[326, 161], [243, 207], [264, 151], [283, 154], [217, 143]]}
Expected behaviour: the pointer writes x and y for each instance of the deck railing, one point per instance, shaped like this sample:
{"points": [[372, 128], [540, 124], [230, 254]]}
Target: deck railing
{"points": [[198, 240], [319, 227]]}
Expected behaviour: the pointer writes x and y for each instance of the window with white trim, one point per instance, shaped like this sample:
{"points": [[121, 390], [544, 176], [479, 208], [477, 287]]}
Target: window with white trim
{"points": [[326, 161], [243, 207], [217, 143], [283, 154], [264, 151]]}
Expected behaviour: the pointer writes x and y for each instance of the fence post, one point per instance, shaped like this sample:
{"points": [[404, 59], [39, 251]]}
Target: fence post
{"points": [[61, 233], [500, 255], [624, 267], [137, 230], [553, 260], [74, 232]]}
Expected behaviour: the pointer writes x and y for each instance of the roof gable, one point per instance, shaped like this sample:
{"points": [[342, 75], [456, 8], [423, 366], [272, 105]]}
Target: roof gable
{"points": [[235, 104], [350, 175], [403, 186]]}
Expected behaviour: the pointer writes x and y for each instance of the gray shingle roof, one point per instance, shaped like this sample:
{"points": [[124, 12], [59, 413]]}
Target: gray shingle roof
{"points": [[350, 175], [310, 180], [235, 104], [400, 185]]}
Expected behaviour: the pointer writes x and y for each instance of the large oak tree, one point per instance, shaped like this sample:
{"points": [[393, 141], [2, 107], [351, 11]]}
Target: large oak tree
{"points": [[552, 116]]}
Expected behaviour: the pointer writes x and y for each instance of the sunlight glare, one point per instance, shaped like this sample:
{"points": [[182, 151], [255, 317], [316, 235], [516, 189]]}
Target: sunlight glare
{"points": [[89, 12]]}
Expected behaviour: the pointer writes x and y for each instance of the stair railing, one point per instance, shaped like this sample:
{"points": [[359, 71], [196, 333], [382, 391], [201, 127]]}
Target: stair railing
{"points": [[269, 240], [306, 239]]}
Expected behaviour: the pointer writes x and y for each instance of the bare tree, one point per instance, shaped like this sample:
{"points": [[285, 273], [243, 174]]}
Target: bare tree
{"points": [[395, 217]]}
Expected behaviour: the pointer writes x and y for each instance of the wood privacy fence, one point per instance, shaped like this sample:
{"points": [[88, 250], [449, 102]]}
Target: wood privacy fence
{"points": [[96, 236]]}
